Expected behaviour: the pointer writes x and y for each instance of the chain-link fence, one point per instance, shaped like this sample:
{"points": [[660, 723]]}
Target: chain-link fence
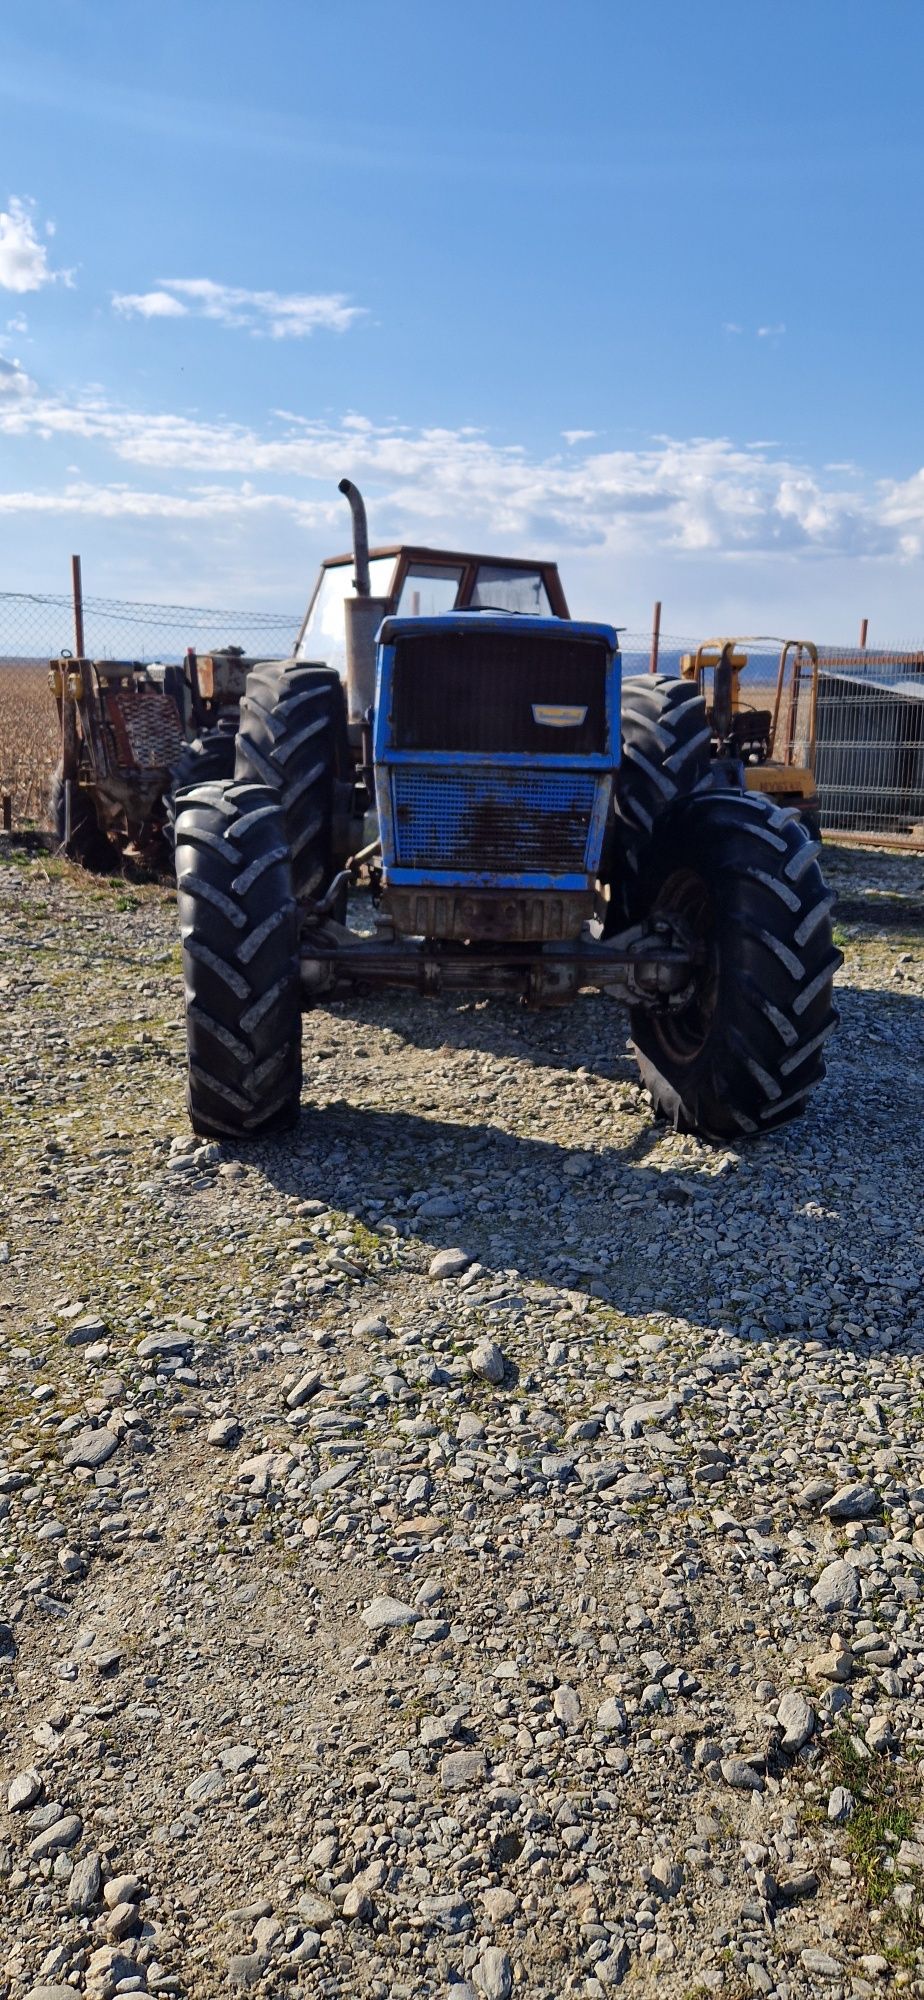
{"points": [[36, 629], [859, 718]]}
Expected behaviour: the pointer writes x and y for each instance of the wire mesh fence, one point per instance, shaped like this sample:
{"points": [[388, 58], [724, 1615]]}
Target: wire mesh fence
{"points": [[35, 629], [869, 743], [858, 718], [852, 716]]}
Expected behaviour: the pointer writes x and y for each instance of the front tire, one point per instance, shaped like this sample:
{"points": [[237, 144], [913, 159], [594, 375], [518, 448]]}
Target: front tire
{"points": [[741, 879], [239, 929]]}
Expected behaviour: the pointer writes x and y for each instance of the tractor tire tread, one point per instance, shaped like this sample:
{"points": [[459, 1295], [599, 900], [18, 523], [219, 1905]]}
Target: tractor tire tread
{"points": [[239, 932], [774, 1011], [290, 740]]}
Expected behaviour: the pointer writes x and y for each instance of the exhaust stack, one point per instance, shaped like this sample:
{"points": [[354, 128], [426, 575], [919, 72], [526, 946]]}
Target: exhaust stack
{"points": [[363, 613]]}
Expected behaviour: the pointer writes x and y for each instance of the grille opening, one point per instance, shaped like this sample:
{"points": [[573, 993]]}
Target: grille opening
{"points": [[482, 822], [477, 690]]}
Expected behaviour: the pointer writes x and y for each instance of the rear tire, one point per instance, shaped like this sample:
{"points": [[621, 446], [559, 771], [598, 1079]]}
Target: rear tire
{"points": [[292, 738], [666, 756], [239, 927], [741, 877], [89, 845], [208, 759]]}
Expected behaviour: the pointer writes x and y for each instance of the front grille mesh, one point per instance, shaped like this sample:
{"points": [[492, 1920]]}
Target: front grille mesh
{"points": [[493, 822]]}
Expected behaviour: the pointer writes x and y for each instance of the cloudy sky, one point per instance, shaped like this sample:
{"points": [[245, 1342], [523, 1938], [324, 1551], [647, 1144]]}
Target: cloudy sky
{"points": [[631, 283]]}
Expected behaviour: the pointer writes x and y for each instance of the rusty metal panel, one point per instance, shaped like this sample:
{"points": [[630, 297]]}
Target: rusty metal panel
{"points": [[145, 727], [541, 917]]}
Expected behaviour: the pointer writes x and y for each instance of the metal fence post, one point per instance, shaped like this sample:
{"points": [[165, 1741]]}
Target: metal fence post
{"points": [[77, 587], [655, 638], [864, 628]]}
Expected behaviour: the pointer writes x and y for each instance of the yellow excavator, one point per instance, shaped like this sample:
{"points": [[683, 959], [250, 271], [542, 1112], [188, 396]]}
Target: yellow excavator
{"points": [[773, 748]]}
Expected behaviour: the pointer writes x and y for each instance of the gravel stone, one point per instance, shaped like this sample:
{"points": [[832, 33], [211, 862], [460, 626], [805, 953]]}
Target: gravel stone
{"points": [[90, 1449], [567, 1706], [449, 1264], [164, 1347], [83, 1889], [838, 1587], [741, 1775], [854, 1502], [493, 1974], [246, 1969], [385, 1614], [796, 1718], [223, 1433], [460, 1768], [24, 1789], [612, 1716], [487, 1362], [57, 1838]]}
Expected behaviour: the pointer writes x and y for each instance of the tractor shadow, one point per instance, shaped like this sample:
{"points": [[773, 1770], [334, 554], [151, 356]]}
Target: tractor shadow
{"points": [[566, 1216], [591, 1035], [692, 1231]]}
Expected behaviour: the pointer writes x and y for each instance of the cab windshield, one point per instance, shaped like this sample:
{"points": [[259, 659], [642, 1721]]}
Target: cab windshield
{"points": [[498, 588]]}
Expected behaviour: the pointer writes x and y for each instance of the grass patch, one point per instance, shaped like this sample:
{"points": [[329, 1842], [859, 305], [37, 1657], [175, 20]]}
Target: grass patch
{"points": [[887, 1805]]}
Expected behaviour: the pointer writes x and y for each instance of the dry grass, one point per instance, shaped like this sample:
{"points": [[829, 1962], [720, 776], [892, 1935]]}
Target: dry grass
{"points": [[28, 739]]}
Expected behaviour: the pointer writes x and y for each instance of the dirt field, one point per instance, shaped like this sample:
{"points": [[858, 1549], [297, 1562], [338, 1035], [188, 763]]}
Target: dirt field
{"points": [[477, 1547], [28, 739]]}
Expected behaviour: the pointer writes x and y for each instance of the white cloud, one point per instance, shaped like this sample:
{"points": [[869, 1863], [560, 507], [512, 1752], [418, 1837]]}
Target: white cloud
{"points": [[731, 326], [280, 315], [24, 263], [149, 305], [120, 502], [13, 380], [577, 437], [771, 332], [685, 498]]}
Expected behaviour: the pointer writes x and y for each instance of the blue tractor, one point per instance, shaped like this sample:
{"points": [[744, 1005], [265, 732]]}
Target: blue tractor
{"points": [[543, 825]]}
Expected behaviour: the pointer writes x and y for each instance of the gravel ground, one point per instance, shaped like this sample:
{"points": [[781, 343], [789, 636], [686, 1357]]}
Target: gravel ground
{"points": [[472, 1549]]}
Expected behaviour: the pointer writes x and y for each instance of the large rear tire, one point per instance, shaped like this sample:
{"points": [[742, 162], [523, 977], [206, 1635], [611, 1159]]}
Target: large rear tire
{"points": [[208, 759], [666, 756], [239, 927], [292, 737], [740, 877], [89, 845]]}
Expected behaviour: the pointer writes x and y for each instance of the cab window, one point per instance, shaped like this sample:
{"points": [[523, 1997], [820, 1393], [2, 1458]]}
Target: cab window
{"points": [[498, 588], [428, 589], [324, 637]]}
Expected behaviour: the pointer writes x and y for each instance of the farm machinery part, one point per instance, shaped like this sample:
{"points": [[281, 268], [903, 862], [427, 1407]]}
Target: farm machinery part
{"points": [[131, 735], [748, 743], [545, 828]]}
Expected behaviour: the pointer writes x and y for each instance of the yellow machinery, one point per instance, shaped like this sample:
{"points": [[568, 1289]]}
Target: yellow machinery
{"points": [[774, 747]]}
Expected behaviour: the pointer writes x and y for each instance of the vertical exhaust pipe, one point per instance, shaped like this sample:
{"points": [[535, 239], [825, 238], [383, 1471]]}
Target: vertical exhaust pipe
{"points": [[361, 583], [363, 614]]}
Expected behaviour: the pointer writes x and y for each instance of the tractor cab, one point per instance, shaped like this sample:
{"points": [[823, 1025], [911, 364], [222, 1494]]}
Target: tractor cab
{"points": [[407, 581]]}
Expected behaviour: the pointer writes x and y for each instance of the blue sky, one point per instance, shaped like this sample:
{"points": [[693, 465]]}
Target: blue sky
{"points": [[637, 286]]}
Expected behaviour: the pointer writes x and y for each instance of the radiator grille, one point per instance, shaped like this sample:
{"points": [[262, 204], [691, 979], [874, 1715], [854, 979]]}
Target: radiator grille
{"points": [[493, 822], [477, 691], [146, 728]]}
